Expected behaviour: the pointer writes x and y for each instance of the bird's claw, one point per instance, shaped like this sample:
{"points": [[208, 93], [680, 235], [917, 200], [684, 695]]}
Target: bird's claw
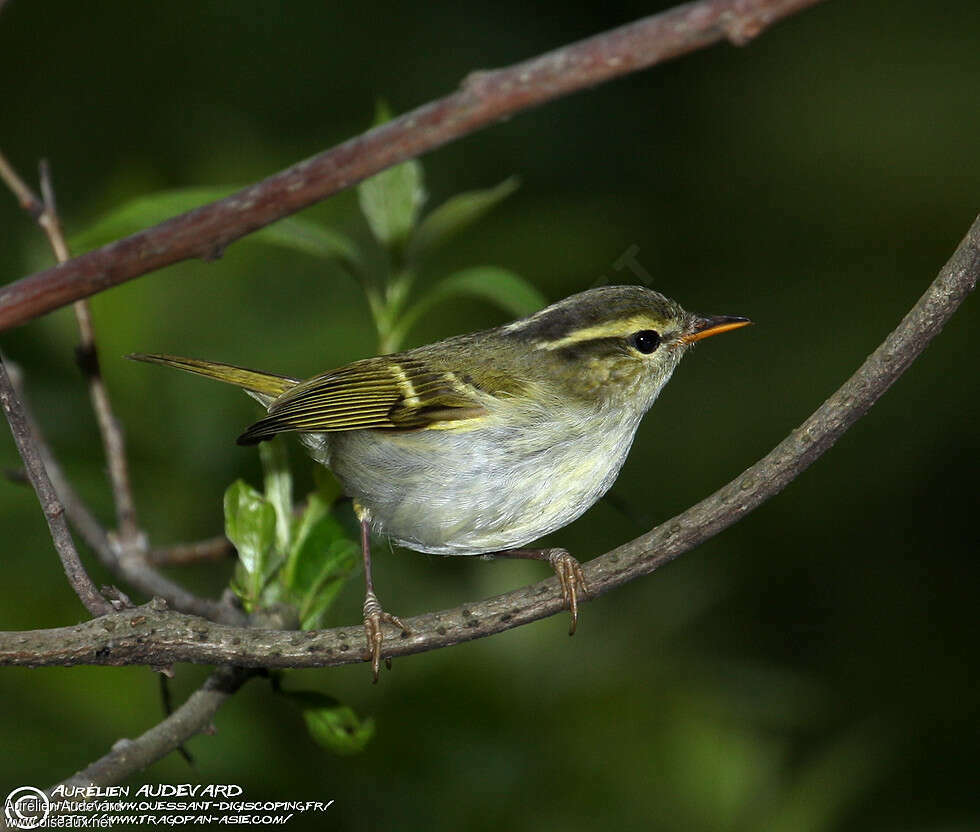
{"points": [[572, 580], [374, 617]]}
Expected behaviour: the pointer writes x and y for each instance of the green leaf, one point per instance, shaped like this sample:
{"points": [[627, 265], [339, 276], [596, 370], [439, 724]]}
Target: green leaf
{"points": [[316, 507], [278, 489], [337, 564], [317, 529], [339, 729], [332, 725], [294, 233], [500, 286], [391, 200], [321, 560], [455, 214], [250, 524], [311, 238]]}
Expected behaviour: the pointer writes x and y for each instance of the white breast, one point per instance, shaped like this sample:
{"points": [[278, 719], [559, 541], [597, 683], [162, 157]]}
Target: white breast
{"points": [[487, 489]]}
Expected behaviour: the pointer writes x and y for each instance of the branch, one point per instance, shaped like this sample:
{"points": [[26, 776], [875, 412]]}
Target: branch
{"points": [[484, 98], [155, 636], [214, 548], [134, 570], [54, 511], [129, 756], [114, 445]]}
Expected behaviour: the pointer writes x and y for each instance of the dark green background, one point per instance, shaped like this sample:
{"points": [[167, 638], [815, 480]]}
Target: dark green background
{"points": [[813, 668]]}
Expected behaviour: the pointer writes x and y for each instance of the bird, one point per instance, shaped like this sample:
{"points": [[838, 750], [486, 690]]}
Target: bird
{"points": [[482, 443]]}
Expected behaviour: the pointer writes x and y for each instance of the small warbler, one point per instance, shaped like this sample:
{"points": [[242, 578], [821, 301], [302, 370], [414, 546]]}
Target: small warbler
{"points": [[482, 443]]}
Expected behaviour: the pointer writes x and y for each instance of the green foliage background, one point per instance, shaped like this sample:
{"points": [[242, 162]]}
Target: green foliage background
{"points": [[811, 669]]}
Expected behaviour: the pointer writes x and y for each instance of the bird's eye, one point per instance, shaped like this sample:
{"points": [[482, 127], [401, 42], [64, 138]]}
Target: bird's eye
{"points": [[646, 340]]}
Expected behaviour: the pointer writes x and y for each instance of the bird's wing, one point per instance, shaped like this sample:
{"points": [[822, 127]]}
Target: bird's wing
{"points": [[387, 392]]}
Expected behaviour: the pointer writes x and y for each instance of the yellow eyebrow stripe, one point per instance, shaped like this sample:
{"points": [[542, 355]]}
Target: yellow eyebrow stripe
{"points": [[620, 328]]}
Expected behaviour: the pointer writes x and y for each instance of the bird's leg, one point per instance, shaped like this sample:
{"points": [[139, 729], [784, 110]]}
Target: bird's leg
{"points": [[374, 616], [569, 572]]}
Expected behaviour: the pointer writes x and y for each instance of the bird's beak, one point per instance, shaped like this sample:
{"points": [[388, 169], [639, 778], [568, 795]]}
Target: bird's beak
{"points": [[705, 327]]}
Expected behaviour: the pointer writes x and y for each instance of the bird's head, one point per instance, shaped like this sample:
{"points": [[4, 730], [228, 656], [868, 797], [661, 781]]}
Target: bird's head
{"points": [[614, 345]]}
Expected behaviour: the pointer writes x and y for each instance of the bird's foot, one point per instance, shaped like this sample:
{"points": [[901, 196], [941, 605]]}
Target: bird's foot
{"points": [[572, 580], [569, 572], [374, 617]]}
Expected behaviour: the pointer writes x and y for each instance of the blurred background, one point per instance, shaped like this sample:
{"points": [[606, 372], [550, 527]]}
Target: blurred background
{"points": [[812, 668]]}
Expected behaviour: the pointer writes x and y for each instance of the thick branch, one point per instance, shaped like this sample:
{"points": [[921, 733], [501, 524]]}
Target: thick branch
{"points": [[54, 511], [150, 635], [483, 98]]}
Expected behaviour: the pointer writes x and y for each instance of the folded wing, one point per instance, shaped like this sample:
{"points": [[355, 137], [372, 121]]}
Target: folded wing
{"points": [[387, 392]]}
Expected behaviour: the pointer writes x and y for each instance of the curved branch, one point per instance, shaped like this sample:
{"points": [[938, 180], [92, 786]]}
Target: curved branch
{"points": [[152, 635], [484, 97]]}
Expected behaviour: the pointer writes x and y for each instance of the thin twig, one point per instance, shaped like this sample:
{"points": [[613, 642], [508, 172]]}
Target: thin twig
{"points": [[483, 98], [49, 219], [168, 709], [195, 715], [25, 196], [214, 548], [132, 541], [113, 443], [149, 636], [54, 511]]}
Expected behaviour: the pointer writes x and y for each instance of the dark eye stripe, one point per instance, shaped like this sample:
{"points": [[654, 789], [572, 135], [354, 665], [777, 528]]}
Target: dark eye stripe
{"points": [[593, 348]]}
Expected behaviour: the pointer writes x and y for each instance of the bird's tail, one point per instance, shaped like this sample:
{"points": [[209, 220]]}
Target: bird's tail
{"points": [[265, 386]]}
